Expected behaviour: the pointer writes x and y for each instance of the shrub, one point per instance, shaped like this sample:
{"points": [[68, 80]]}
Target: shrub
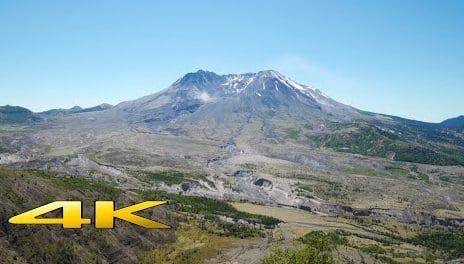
{"points": [[66, 255], [209, 207], [317, 249], [303, 255], [450, 243]]}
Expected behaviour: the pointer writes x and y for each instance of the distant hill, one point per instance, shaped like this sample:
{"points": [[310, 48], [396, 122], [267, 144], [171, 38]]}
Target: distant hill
{"points": [[74, 110], [20, 115], [16, 115], [454, 123]]}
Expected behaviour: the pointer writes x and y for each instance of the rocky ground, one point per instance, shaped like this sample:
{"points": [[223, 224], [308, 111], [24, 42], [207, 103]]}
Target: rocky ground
{"points": [[333, 191]]}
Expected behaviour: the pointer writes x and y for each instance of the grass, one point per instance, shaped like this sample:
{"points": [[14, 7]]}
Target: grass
{"points": [[324, 188], [67, 182], [398, 171], [191, 246], [317, 248], [450, 243], [410, 173], [358, 233], [364, 170], [250, 166], [170, 177], [390, 170], [211, 210], [447, 244], [373, 249], [445, 178], [64, 183], [323, 241], [66, 255], [292, 133]]}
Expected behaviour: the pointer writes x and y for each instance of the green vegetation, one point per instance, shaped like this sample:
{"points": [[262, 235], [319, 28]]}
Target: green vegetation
{"points": [[192, 246], [16, 198], [445, 178], [449, 242], [364, 170], [303, 255], [308, 126], [236, 230], [208, 207], [419, 154], [398, 171], [66, 255], [292, 133], [324, 188], [22, 190], [373, 249], [411, 173], [211, 210], [439, 243], [16, 115], [372, 140], [170, 177], [324, 241], [317, 249], [66, 182], [249, 166], [105, 189]]}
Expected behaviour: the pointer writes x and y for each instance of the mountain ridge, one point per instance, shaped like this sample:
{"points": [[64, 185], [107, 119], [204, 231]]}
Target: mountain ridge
{"points": [[454, 123], [261, 107], [203, 76], [262, 93]]}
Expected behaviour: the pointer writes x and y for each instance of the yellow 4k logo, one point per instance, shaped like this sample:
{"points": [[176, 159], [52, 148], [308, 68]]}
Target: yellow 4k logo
{"points": [[104, 215]]}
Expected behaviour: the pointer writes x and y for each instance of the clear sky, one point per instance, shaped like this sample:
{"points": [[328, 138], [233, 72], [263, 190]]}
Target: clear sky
{"points": [[404, 58]]}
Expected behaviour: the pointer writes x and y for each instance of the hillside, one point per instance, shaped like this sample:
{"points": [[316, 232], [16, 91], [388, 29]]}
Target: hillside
{"points": [[16, 115], [454, 123]]}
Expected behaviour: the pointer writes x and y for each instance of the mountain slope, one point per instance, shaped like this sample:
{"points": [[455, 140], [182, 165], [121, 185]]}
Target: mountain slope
{"points": [[216, 97], [16, 115], [247, 110], [73, 110], [267, 105], [454, 123]]}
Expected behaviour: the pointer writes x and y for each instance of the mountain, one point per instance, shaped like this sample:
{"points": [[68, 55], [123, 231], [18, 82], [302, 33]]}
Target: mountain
{"points": [[20, 115], [269, 106], [454, 123], [265, 107], [293, 152], [244, 109], [221, 98], [16, 115], [74, 110]]}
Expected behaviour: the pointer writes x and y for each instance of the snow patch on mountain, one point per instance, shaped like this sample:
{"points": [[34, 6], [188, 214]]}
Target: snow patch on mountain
{"points": [[204, 96]]}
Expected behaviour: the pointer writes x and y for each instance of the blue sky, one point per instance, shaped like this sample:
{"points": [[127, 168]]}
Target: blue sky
{"points": [[404, 58]]}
